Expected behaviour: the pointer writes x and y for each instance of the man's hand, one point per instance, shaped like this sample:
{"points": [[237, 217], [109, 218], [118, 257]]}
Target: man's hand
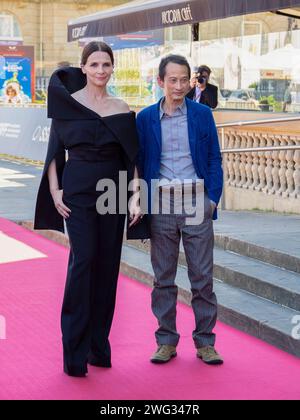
{"points": [[213, 207], [193, 80]]}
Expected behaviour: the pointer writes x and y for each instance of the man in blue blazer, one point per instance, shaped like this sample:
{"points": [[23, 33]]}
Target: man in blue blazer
{"points": [[179, 141]]}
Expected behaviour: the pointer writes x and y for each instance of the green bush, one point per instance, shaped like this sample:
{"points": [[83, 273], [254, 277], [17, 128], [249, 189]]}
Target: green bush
{"points": [[270, 100]]}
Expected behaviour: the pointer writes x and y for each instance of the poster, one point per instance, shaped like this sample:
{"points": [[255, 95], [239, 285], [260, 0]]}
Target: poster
{"points": [[17, 76]]}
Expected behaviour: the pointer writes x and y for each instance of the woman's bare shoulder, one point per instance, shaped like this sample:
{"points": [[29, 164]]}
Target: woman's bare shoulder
{"points": [[77, 94], [119, 104]]}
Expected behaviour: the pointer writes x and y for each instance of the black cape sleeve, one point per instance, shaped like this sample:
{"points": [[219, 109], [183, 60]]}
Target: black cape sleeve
{"points": [[46, 215]]}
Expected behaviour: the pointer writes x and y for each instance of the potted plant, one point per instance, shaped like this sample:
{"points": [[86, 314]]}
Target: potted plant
{"points": [[264, 104]]}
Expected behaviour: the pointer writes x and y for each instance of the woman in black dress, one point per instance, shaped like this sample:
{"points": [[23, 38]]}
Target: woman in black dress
{"points": [[99, 133]]}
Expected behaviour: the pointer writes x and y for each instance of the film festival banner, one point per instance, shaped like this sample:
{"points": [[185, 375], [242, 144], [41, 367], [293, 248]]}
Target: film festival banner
{"points": [[24, 132], [17, 74]]}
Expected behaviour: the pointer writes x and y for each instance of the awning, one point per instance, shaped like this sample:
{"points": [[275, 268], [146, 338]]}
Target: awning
{"points": [[153, 14]]}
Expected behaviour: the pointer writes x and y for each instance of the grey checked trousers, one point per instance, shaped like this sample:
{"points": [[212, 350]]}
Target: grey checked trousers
{"points": [[198, 243]]}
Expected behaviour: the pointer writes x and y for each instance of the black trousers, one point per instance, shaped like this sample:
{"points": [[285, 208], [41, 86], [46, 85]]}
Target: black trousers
{"points": [[93, 267]]}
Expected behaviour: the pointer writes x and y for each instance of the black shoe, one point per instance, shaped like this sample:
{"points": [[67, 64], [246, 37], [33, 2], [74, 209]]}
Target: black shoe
{"points": [[76, 371], [99, 362], [100, 356]]}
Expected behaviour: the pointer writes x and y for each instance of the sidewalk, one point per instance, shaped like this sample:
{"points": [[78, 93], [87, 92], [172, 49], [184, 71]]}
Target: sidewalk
{"points": [[32, 277], [19, 183], [269, 230]]}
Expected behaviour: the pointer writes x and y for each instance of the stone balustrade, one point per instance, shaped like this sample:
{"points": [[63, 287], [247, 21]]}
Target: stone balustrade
{"points": [[271, 178]]}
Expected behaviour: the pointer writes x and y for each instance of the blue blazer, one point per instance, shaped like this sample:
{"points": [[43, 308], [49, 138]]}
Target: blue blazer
{"points": [[204, 146]]}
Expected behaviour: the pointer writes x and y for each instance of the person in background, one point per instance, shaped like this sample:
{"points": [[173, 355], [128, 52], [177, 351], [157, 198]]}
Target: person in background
{"points": [[287, 98], [63, 64], [202, 91]]}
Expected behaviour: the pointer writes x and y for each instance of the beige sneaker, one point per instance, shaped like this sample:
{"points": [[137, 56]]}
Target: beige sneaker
{"points": [[163, 354], [209, 355]]}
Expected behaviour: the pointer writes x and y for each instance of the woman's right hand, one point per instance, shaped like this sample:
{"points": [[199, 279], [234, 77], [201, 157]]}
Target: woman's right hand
{"points": [[62, 209]]}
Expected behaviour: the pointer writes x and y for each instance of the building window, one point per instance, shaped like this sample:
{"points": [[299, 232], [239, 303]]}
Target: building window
{"points": [[9, 27]]}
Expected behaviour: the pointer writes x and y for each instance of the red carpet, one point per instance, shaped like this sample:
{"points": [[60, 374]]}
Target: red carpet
{"points": [[31, 356]]}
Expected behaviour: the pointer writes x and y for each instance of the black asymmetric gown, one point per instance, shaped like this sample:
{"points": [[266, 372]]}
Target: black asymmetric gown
{"points": [[98, 147]]}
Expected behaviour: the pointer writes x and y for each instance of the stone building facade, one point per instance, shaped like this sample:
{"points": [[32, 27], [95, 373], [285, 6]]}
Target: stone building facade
{"points": [[43, 24]]}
